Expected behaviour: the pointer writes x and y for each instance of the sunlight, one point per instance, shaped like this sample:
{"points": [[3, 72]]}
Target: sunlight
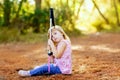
{"points": [[85, 18], [32, 2], [1, 1], [89, 5], [96, 47], [78, 47], [104, 48]]}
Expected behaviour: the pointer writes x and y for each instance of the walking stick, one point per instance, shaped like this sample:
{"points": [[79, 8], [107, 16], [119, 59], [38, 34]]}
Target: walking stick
{"points": [[52, 24]]}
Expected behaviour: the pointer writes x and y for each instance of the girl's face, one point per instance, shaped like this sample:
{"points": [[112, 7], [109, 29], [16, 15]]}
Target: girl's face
{"points": [[57, 36]]}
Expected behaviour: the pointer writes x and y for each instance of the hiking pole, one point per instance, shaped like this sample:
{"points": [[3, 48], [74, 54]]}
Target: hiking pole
{"points": [[52, 24], [52, 17]]}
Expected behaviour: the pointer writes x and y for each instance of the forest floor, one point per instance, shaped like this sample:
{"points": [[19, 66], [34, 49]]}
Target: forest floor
{"points": [[94, 57]]}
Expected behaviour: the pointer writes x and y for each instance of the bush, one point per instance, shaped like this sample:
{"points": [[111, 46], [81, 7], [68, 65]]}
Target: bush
{"points": [[8, 35]]}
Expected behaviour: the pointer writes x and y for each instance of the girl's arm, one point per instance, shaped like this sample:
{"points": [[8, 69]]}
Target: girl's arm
{"points": [[57, 53], [51, 57]]}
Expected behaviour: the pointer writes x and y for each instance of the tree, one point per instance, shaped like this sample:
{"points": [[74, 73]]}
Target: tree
{"points": [[106, 20], [81, 3], [37, 15], [7, 11], [38, 4], [116, 11], [19, 8]]}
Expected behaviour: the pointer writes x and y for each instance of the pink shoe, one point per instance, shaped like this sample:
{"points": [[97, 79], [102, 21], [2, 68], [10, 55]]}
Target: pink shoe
{"points": [[24, 73]]}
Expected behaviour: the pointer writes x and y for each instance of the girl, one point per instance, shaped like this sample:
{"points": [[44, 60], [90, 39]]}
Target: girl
{"points": [[60, 46]]}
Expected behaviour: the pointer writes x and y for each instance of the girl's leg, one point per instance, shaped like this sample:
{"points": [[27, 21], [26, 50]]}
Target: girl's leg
{"points": [[54, 70], [44, 70]]}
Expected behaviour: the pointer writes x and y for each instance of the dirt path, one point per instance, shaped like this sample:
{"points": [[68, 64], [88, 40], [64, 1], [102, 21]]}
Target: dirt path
{"points": [[95, 57]]}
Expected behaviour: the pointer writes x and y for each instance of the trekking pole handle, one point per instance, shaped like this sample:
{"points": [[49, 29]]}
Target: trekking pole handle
{"points": [[52, 16]]}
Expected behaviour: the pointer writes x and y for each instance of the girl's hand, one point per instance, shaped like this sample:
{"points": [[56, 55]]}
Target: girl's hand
{"points": [[50, 42]]}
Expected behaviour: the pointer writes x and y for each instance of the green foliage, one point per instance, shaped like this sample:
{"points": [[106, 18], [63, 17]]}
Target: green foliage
{"points": [[7, 11], [113, 26], [101, 26], [40, 19], [65, 17]]}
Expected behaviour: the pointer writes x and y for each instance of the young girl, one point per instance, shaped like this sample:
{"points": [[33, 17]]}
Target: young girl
{"points": [[60, 46]]}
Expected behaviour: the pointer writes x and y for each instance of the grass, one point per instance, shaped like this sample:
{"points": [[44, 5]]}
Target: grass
{"points": [[8, 35]]}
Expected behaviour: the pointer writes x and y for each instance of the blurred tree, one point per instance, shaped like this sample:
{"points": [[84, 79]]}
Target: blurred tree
{"points": [[1, 12], [116, 11], [17, 20], [19, 8], [7, 11], [106, 20], [38, 4], [80, 5], [37, 15], [72, 14], [66, 16]]}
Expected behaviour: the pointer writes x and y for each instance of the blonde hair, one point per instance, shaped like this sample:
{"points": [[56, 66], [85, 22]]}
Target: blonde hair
{"points": [[58, 28]]}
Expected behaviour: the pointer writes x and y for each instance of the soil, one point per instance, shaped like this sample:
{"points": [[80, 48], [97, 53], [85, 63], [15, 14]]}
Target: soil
{"points": [[94, 57]]}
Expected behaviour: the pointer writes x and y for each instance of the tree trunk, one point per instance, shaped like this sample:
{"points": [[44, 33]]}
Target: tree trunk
{"points": [[37, 16], [7, 11], [106, 20], [38, 4], [20, 6], [116, 11]]}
